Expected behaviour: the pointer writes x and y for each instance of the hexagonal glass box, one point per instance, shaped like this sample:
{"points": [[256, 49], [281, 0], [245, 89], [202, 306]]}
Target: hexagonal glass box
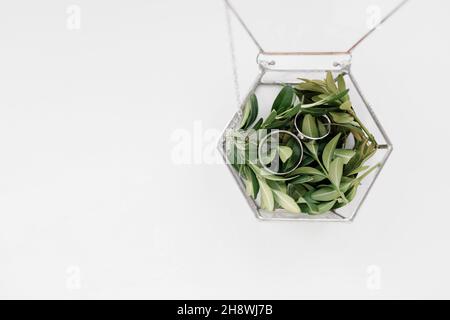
{"points": [[276, 43]]}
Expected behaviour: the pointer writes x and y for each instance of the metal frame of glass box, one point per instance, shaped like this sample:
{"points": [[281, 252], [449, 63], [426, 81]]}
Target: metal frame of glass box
{"points": [[276, 68]]}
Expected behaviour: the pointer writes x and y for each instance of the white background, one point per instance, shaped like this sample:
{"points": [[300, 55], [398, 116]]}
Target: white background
{"points": [[92, 205]]}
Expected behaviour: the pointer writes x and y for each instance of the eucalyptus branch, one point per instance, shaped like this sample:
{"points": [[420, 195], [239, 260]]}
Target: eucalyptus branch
{"points": [[317, 174]]}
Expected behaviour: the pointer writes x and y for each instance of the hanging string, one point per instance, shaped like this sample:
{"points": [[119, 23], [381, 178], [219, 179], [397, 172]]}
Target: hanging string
{"points": [[229, 10], [390, 14]]}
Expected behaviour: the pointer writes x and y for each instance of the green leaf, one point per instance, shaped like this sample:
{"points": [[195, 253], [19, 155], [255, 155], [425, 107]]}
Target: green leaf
{"points": [[307, 160], [258, 124], [341, 117], [310, 86], [260, 172], [364, 151], [254, 110], [318, 82], [352, 193], [302, 180], [325, 207], [267, 199], [346, 183], [251, 183], [308, 171], [279, 124], [354, 163], [319, 97], [296, 154], [269, 120], [295, 191], [341, 83], [311, 204], [362, 177], [357, 132], [285, 153], [328, 152], [272, 177], [342, 86], [309, 126], [322, 128], [277, 185], [346, 106], [290, 112], [286, 202], [369, 155], [345, 154], [330, 99], [284, 99], [335, 172], [313, 148], [358, 170], [246, 114], [338, 96], [319, 111], [331, 85], [317, 179], [250, 112], [325, 194]]}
